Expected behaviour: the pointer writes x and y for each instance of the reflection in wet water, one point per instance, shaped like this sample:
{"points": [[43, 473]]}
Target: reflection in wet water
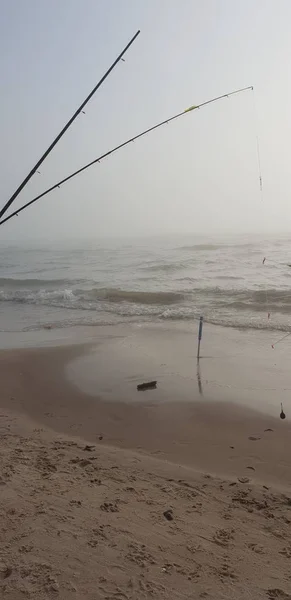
{"points": [[199, 379]]}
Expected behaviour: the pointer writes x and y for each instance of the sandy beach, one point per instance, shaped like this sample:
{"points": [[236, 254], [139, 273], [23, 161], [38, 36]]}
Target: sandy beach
{"points": [[145, 300], [90, 467]]}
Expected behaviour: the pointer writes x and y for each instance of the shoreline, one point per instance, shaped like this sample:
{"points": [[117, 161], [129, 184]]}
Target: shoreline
{"points": [[88, 390]]}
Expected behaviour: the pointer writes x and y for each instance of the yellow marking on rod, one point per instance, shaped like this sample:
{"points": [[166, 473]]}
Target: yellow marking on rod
{"points": [[190, 108]]}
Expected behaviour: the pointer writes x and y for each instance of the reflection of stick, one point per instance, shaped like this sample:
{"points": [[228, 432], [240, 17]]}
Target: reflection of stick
{"points": [[199, 380], [199, 336]]}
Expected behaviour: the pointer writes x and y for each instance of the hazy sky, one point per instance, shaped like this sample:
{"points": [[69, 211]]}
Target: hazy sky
{"points": [[198, 174]]}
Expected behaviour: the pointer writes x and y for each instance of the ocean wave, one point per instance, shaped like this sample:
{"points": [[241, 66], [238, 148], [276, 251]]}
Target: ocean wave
{"points": [[136, 297], [31, 292], [27, 284], [143, 314], [229, 277], [80, 298], [187, 315], [37, 297], [257, 325], [167, 267], [228, 307], [188, 279], [201, 247], [259, 295], [261, 307], [256, 297]]}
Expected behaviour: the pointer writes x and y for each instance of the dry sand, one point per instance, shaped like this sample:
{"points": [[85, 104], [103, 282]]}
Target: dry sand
{"points": [[83, 517]]}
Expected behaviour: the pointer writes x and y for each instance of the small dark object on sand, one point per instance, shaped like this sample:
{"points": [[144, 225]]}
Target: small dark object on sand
{"points": [[269, 429], [253, 438], [100, 437], [232, 447], [89, 448], [150, 385], [252, 468], [282, 414], [168, 514]]}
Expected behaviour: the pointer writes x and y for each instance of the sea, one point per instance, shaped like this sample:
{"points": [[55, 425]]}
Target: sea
{"points": [[232, 281]]}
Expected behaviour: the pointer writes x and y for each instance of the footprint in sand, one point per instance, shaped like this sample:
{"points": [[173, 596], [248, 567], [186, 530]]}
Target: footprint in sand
{"points": [[257, 548], [278, 594], [227, 514], [286, 552], [222, 537], [6, 573], [225, 572], [139, 555], [109, 507], [98, 535]]}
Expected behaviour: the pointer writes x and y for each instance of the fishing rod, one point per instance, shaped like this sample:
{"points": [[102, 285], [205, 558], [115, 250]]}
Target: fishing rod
{"points": [[68, 124], [139, 135]]}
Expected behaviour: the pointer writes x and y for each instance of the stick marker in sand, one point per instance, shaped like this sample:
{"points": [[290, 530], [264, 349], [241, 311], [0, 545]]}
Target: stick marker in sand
{"points": [[199, 336]]}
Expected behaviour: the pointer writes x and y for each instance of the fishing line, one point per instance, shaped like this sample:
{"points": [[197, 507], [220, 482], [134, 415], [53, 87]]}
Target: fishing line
{"points": [[281, 339], [266, 293], [268, 308], [275, 264], [122, 145], [256, 123]]}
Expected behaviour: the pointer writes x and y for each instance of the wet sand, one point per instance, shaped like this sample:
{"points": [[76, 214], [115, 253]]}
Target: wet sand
{"points": [[235, 366], [205, 422]]}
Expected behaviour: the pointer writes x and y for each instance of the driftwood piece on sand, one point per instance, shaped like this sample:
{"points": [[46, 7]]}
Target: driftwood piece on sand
{"points": [[150, 385]]}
